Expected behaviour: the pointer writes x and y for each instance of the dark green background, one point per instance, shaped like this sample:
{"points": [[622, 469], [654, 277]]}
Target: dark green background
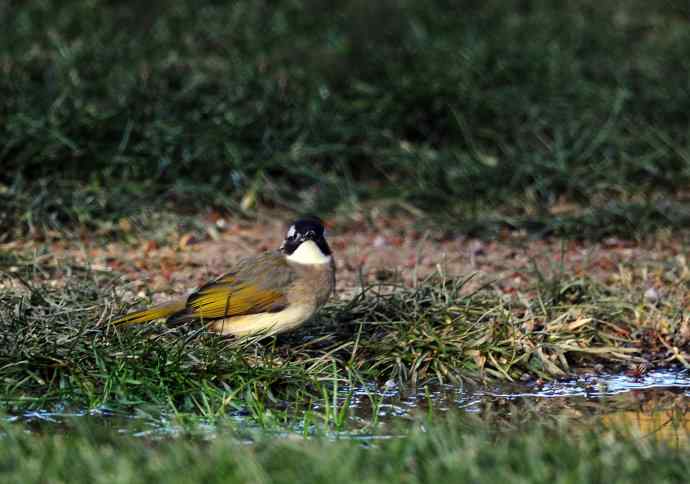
{"points": [[477, 112]]}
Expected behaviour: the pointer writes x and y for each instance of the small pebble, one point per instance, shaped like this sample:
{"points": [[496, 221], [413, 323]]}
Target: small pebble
{"points": [[390, 384], [379, 242], [651, 295]]}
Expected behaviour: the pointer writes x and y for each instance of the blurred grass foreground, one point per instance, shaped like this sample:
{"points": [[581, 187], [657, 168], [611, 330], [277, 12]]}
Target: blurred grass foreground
{"points": [[565, 117], [454, 451]]}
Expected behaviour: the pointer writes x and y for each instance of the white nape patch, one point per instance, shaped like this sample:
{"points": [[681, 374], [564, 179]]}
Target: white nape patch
{"points": [[309, 253]]}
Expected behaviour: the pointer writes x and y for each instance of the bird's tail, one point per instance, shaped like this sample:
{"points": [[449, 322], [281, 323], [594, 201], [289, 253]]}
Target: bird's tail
{"points": [[147, 315]]}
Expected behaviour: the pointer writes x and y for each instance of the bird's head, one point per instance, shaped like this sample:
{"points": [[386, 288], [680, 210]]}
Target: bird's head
{"points": [[305, 241]]}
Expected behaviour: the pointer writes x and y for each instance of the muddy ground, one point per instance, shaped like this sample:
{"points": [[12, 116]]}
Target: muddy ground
{"points": [[376, 250]]}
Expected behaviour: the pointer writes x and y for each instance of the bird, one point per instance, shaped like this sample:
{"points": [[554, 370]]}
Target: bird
{"points": [[271, 293]]}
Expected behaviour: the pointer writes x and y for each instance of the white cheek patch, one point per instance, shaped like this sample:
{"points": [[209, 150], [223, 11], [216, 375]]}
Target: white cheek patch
{"points": [[309, 253], [291, 232]]}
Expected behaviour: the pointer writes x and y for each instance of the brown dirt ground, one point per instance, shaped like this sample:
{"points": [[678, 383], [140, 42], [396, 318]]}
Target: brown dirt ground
{"points": [[380, 249]]}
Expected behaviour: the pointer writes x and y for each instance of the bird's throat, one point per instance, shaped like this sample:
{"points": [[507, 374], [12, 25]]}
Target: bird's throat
{"points": [[309, 253]]}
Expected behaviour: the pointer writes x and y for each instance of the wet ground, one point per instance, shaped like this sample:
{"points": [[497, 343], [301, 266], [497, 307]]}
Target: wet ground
{"points": [[654, 405]]}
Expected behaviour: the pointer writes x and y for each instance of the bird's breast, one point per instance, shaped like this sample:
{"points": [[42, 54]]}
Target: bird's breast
{"points": [[314, 283]]}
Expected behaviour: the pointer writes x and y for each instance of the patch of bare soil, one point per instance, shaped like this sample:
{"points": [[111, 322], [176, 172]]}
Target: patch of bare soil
{"points": [[385, 250]]}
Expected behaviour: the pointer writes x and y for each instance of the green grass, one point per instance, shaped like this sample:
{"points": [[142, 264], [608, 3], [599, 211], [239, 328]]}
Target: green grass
{"points": [[450, 450], [57, 346], [481, 114]]}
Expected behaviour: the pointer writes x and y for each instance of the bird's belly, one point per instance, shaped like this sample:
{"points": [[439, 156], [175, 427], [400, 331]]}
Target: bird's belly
{"points": [[266, 323]]}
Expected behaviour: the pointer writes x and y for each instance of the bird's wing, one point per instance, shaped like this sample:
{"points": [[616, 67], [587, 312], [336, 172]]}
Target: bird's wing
{"points": [[255, 285]]}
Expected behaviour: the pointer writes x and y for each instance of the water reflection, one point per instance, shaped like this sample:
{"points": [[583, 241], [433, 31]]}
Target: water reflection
{"points": [[654, 405]]}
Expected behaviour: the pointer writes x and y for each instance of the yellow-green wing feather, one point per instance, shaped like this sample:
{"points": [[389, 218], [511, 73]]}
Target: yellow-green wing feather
{"points": [[164, 310], [224, 300], [256, 285]]}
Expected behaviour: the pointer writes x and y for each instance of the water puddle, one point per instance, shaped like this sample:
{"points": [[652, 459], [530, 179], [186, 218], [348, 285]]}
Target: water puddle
{"points": [[656, 404], [602, 385]]}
